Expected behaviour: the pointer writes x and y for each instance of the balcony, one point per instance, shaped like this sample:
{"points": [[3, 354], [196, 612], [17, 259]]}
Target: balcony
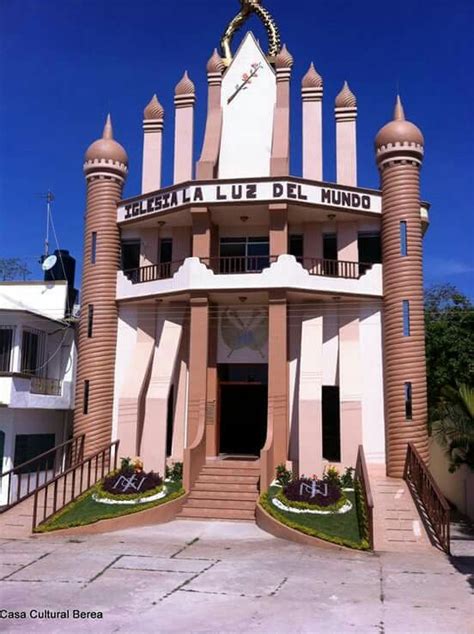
{"points": [[237, 265], [47, 387], [21, 390], [251, 273]]}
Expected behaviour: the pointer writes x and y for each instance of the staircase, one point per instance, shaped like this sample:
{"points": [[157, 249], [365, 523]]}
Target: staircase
{"points": [[224, 490]]}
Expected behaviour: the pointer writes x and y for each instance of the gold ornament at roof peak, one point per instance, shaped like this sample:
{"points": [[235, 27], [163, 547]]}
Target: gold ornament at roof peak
{"points": [[249, 7]]}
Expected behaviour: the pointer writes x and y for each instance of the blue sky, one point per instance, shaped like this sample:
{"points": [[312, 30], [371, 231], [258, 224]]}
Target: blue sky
{"points": [[65, 63]]}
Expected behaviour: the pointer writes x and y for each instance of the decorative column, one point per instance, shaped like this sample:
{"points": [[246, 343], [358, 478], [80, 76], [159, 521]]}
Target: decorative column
{"points": [[278, 228], [195, 450], [346, 144], [202, 232], [105, 169], [399, 154], [276, 445], [312, 96], [280, 158], [184, 101], [207, 164], [152, 145]]}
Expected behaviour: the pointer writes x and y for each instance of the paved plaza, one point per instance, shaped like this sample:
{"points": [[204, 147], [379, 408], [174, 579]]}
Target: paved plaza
{"points": [[190, 576]]}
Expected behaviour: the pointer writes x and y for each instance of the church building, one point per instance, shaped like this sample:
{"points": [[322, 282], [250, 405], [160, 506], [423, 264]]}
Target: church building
{"points": [[245, 312]]}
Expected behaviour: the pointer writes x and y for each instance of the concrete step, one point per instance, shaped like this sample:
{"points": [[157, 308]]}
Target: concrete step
{"points": [[238, 464], [216, 514], [228, 479], [223, 495], [219, 471], [225, 487], [247, 505]]}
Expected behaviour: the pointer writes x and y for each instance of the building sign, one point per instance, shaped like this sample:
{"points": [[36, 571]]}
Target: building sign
{"points": [[270, 191]]}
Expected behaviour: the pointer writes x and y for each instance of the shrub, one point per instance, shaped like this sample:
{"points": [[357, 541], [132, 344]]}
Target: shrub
{"points": [[294, 492], [331, 476], [283, 476], [175, 472], [347, 478]]}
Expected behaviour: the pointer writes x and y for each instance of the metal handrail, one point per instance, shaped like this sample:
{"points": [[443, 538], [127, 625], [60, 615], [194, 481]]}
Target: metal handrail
{"points": [[68, 486], [362, 476], [61, 456], [434, 503]]}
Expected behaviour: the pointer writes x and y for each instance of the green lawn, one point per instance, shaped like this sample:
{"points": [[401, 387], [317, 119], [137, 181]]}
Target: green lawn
{"points": [[85, 511], [340, 528]]}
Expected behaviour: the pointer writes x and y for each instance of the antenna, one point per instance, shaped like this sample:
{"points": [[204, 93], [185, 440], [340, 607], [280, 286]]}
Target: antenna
{"points": [[49, 197]]}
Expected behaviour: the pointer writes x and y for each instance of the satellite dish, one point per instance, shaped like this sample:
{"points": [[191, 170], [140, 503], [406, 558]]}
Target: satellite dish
{"points": [[49, 262]]}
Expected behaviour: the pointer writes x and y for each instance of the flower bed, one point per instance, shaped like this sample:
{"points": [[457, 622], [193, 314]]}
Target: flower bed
{"points": [[326, 508], [127, 490]]}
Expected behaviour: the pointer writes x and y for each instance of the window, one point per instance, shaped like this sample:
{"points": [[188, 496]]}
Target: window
{"points": [[130, 255], [6, 348], [408, 402], [90, 320], [169, 422], [370, 249], [403, 238], [166, 250], [85, 404], [166, 256], [330, 266], [244, 255], [295, 247], [28, 446], [331, 423], [406, 318], [30, 352], [93, 247], [329, 246]]}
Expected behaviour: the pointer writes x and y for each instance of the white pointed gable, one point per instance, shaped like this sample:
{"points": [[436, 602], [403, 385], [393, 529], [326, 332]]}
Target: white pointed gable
{"points": [[247, 130]]}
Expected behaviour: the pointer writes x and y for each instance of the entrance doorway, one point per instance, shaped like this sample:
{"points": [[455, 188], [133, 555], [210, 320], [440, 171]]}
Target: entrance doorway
{"points": [[243, 418]]}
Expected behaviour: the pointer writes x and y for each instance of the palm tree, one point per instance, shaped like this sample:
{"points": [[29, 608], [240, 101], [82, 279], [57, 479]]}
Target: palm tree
{"points": [[454, 426]]}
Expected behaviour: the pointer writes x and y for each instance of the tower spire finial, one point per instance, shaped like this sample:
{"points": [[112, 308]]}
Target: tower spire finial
{"points": [[108, 132], [398, 113]]}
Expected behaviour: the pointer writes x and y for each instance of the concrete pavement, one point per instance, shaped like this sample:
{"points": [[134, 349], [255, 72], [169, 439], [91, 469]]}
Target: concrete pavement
{"points": [[189, 576]]}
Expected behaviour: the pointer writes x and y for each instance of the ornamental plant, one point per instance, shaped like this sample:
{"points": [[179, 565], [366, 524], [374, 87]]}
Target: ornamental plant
{"points": [[331, 476], [116, 483], [283, 476], [295, 492], [175, 472], [347, 478]]}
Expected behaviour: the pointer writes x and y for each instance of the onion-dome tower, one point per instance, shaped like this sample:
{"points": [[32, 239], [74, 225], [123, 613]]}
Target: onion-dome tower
{"points": [[105, 169], [399, 155]]}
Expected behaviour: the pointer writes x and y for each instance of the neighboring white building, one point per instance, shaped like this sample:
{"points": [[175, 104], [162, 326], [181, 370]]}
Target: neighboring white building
{"points": [[37, 368]]}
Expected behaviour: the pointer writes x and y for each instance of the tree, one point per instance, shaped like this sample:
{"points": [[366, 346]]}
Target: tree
{"points": [[454, 427], [449, 324], [13, 269]]}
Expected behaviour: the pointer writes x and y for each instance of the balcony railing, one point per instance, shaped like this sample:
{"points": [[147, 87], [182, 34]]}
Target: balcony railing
{"points": [[230, 265], [153, 272], [250, 264], [335, 268], [47, 387]]}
